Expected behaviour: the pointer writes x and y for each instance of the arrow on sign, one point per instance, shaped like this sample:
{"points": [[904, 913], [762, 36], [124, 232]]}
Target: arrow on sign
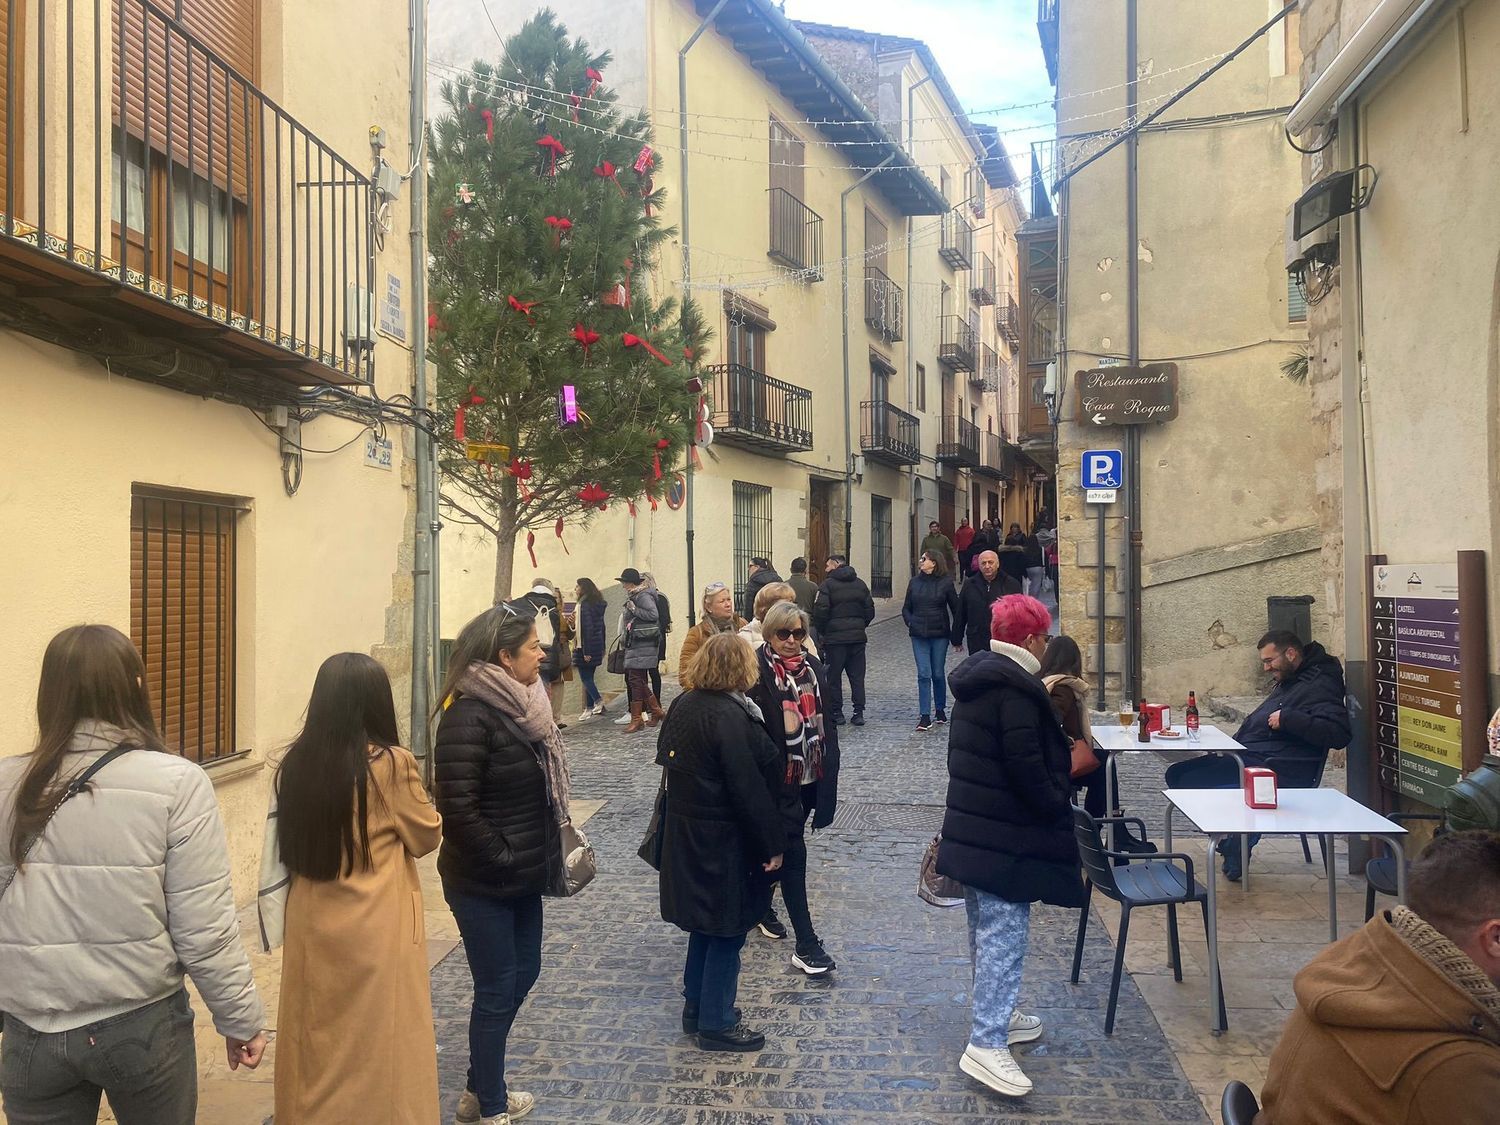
{"points": [[1098, 419]]}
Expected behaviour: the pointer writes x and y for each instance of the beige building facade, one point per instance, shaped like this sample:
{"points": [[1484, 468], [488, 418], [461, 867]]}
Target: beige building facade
{"points": [[170, 295], [1170, 249]]}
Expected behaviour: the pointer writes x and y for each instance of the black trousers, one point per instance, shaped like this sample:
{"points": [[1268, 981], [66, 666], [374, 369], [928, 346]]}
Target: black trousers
{"points": [[793, 879], [841, 659]]}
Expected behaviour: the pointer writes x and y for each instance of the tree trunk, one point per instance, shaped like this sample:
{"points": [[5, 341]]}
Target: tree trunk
{"points": [[505, 554]]}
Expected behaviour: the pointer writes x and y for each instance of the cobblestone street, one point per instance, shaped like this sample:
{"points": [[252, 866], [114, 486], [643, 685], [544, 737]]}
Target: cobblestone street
{"points": [[599, 1038]]}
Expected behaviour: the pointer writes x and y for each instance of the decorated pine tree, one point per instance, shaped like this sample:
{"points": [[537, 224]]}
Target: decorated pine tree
{"points": [[568, 386]]}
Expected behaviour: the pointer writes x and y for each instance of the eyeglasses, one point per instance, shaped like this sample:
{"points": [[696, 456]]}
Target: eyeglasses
{"points": [[791, 634]]}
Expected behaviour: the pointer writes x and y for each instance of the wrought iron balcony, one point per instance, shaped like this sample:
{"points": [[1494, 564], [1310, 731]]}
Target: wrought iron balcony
{"points": [[957, 248], [959, 444], [149, 191], [991, 456], [796, 234], [1008, 319], [986, 373], [888, 434], [884, 305], [982, 281], [752, 409], [1046, 27], [959, 346]]}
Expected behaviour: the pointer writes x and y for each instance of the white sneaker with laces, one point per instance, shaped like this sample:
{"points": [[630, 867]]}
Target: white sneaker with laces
{"points": [[1024, 1028], [518, 1105], [623, 719], [994, 1067], [585, 715]]}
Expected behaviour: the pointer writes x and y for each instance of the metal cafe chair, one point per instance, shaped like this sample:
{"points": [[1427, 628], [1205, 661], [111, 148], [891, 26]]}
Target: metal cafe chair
{"points": [[1239, 1106]]}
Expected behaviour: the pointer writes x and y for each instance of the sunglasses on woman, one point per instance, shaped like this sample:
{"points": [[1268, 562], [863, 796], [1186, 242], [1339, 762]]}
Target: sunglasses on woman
{"points": [[791, 634]]}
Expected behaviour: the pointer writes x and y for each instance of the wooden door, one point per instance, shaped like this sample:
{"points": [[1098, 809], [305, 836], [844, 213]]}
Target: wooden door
{"points": [[817, 528], [947, 508]]}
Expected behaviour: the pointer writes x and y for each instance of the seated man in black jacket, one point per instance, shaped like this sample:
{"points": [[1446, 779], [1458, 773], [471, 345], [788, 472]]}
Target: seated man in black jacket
{"points": [[1291, 732]]}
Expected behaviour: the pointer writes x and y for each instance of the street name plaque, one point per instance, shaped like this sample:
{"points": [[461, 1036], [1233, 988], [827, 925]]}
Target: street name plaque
{"points": [[1127, 396]]}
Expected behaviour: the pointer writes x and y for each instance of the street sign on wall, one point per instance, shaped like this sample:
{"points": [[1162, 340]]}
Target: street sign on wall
{"points": [[1127, 396], [1101, 473]]}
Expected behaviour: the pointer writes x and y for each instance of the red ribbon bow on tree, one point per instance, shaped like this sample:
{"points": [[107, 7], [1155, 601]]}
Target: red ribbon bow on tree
{"points": [[557, 528], [593, 496], [435, 324], [531, 548], [521, 470], [522, 307], [644, 160], [661, 444], [574, 102], [631, 340], [607, 171], [586, 337], [489, 124], [556, 148], [560, 225], [595, 80], [461, 412]]}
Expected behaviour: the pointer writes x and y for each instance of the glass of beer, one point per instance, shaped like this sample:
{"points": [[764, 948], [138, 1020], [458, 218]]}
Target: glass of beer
{"points": [[1127, 714]]}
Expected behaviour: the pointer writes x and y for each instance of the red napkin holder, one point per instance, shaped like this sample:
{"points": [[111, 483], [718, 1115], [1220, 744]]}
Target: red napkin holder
{"points": [[1260, 787], [1158, 716]]}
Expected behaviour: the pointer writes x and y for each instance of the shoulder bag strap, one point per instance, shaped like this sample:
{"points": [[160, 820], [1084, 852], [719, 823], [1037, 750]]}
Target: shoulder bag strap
{"points": [[74, 788]]}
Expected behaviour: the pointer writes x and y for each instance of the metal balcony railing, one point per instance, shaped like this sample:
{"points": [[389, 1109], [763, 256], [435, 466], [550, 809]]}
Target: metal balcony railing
{"points": [[986, 373], [957, 248], [991, 456], [982, 281], [888, 434], [1046, 26], [959, 444], [754, 410], [884, 305], [148, 183], [796, 234], [958, 349], [1008, 319]]}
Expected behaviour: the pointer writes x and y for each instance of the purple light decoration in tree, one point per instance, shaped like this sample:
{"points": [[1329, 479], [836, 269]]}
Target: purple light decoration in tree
{"points": [[567, 406]]}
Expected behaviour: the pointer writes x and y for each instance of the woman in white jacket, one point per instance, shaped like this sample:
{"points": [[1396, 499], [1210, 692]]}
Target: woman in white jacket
{"points": [[107, 894]]}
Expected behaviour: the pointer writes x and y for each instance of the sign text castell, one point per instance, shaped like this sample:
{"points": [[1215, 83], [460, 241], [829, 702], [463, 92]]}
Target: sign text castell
{"points": [[1127, 396]]}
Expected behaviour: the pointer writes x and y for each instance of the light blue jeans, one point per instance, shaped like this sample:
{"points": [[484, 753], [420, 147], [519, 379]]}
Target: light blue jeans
{"points": [[998, 935], [932, 672]]}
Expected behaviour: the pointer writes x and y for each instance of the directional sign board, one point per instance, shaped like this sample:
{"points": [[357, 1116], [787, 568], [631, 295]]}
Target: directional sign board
{"points": [[1414, 619], [1101, 473], [1127, 396]]}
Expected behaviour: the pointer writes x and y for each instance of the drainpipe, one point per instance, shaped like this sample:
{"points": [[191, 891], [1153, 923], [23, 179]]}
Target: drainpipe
{"points": [[1132, 667], [687, 277], [911, 375], [848, 420], [424, 615]]}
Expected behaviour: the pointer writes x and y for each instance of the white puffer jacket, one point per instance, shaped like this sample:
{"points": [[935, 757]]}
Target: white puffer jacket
{"points": [[127, 888]]}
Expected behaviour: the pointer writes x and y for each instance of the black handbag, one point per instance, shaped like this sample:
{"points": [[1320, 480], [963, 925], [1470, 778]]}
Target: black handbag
{"points": [[614, 663], [650, 849]]}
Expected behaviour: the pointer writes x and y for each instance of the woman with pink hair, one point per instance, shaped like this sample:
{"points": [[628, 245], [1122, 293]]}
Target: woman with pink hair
{"points": [[1008, 830]]}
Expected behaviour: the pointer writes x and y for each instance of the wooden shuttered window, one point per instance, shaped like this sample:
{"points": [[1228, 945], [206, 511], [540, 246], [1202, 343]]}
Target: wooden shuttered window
{"points": [[877, 241], [788, 155], [182, 616]]}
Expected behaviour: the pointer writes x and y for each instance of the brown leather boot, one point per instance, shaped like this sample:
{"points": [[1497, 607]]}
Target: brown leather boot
{"points": [[653, 705], [635, 719]]}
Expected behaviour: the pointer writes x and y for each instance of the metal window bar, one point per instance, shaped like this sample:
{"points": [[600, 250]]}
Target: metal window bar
{"points": [[752, 531], [764, 411], [959, 442], [884, 305], [959, 347], [957, 247], [982, 282], [796, 234], [880, 547], [889, 434]]}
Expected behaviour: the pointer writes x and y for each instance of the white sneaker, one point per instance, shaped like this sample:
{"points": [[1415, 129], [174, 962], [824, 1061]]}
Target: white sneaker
{"points": [[623, 719], [996, 1069], [599, 709], [518, 1105], [1024, 1028], [586, 715]]}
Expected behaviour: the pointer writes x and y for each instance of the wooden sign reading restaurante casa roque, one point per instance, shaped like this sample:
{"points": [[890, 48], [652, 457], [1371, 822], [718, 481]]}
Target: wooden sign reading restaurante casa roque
{"points": [[1127, 396]]}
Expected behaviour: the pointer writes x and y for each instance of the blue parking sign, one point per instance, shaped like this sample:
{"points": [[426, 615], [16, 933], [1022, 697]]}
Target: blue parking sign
{"points": [[1103, 468]]}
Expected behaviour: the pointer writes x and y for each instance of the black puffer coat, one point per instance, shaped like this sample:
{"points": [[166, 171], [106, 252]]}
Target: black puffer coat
{"points": [[723, 821], [931, 605], [826, 788], [971, 624], [499, 833], [1314, 716], [843, 608], [1009, 825], [754, 585]]}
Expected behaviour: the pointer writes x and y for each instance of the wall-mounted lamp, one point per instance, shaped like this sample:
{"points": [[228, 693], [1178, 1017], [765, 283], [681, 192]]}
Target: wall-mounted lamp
{"points": [[1338, 194]]}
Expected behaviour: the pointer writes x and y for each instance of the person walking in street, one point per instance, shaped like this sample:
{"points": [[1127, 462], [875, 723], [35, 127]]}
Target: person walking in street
{"points": [[556, 641], [762, 573], [664, 620], [1400, 1021], [930, 609], [963, 544], [114, 883], [842, 613], [640, 628], [971, 623], [1008, 831], [722, 837], [502, 790], [1012, 554], [589, 657], [805, 588], [790, 694], [1036, 570], [718, 617], [936, 541], [769, 596], [354, 1033]]}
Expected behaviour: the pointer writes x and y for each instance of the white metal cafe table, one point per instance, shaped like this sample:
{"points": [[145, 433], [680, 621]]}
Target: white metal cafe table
{"points": [[1312, 812]]}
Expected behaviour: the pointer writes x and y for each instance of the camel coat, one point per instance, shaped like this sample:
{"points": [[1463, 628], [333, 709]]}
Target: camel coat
{"points": [[355, 1039]]}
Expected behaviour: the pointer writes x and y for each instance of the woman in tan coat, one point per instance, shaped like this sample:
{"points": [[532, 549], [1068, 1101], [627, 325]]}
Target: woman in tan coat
{"points": [[355, 1039], [718, 617]]}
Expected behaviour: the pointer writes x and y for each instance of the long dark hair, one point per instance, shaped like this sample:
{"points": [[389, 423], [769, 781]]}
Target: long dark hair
{"points": [[323, 782], [939, 563], [588, 592], [1062, 658], [501, 628], [88, 672]]}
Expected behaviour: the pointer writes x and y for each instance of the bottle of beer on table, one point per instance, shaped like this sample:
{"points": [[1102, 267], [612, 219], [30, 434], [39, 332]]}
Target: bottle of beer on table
{"points": [[1143, 733], [1192, 716]]}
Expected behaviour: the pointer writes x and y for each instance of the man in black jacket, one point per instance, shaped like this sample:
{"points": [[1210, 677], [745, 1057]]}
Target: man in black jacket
{"points": [[1291, 732], [971, 624], [762, 574], [841, 613]]}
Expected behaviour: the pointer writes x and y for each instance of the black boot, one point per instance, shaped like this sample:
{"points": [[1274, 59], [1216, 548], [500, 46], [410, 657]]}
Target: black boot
{"points": [[736, 1038]]}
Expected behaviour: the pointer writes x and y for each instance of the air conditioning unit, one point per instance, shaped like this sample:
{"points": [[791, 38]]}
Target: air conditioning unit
{"points": [[359, 332]]}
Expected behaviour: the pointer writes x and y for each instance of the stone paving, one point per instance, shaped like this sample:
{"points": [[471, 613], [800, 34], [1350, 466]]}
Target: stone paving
{"points": [[599, 1041]]}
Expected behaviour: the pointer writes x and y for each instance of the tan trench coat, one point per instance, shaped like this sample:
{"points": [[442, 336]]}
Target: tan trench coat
{"points": [[355, 1039]]}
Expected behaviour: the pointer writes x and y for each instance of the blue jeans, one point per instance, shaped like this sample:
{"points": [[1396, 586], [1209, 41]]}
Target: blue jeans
{"points": [[932, 672], [998, 935], [712, 979], [503, 943], [591, 696], [143, 1060]]}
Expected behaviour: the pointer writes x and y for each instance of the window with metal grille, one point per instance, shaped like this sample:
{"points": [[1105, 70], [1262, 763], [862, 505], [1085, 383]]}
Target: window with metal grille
{"points": [[752, 532], [921, 387], [1296, 301], [880, 546], [182, 615]]}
